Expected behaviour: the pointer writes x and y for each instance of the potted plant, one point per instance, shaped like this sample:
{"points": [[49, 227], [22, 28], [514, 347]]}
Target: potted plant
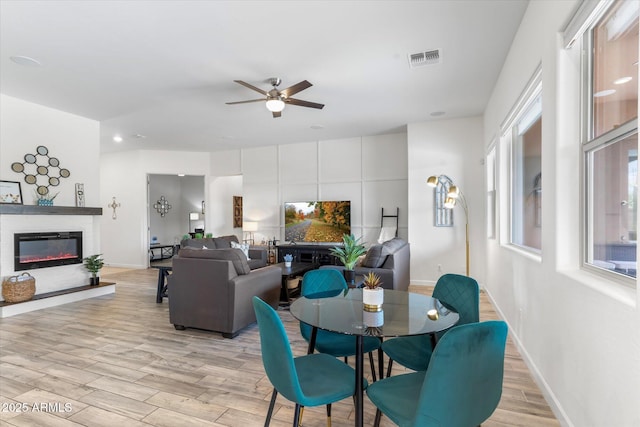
{"points": [[348, 255], [372, 293], [94, 263], [288, 258]]}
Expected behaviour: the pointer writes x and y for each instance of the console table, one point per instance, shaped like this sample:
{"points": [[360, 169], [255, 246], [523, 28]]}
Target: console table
{"points": [[165, 251], [309, 253]]}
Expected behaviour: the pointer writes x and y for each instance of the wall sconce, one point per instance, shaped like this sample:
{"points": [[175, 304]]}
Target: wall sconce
{"points": [[454, 197], [250, 227]]}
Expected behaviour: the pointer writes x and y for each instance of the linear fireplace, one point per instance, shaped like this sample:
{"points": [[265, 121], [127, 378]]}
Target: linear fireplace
{"points": [[47, 249]]}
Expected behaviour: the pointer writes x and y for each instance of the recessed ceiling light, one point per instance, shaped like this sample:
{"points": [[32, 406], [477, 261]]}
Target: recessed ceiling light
{"points": [[26, 61], [605, 92], [622, 80], [139, 135], [438, 113], [317, 127], [117, 138], [180, 174]]}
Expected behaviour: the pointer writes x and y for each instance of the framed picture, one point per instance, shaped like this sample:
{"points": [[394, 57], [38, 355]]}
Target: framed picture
{"points": [[10, 193]]}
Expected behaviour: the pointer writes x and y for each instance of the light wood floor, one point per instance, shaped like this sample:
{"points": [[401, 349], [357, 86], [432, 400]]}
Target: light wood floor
{"points": [[117, 361]]}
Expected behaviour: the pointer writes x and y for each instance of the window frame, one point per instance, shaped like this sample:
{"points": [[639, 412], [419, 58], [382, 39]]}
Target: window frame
{"points": [[590, 144], [508, 129]]}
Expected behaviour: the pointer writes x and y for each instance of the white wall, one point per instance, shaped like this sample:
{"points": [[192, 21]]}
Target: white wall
{"points": [[371, 172], [74, 141], [580, 333], [125, 240], [221, 192], [453, 148]]}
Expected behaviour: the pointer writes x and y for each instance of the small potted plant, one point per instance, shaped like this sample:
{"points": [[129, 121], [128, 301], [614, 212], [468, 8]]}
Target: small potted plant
{"points": [[348, 255], [288, 258], [94, 263], [372, 293]]}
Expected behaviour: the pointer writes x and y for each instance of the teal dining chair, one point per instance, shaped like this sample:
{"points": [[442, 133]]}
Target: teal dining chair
{"points": [[456, 292], [461, 387], [328, 282], [310, 380]]}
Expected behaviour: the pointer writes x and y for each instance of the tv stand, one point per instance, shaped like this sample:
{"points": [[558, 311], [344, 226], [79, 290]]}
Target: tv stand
{"points": [[310, 253]]}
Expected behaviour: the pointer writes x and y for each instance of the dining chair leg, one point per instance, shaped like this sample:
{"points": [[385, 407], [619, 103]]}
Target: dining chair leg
{"points": [[296, 415], [274, 395], [300, 417], [346, 360], [329, 415], [376, 422], [373, 368], [381, 363], [389, 367]]}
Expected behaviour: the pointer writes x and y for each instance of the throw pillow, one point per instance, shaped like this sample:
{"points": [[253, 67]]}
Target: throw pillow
{"points": [[386, 233], [376, 256], [244, 247]]}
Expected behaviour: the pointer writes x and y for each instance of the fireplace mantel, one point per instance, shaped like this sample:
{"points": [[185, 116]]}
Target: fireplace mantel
{"points": [[10, 209]]}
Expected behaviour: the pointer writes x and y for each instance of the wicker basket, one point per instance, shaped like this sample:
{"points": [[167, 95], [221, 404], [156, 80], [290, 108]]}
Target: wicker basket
{"points": [[18, 288]]}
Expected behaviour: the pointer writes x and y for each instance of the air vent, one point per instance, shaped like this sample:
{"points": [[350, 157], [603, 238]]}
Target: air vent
{"points": [[429, 57]]}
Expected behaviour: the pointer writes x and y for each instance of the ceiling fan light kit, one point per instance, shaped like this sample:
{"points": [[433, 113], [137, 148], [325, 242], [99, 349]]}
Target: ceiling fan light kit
{"points": [[275, 105], [276, 100]]}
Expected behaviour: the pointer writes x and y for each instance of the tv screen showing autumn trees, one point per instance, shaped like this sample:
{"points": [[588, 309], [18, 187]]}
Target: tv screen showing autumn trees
{"points": [[317, 221]]}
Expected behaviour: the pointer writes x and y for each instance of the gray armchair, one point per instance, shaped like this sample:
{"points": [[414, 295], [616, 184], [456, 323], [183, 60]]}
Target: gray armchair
{"points": [[389, 260]]}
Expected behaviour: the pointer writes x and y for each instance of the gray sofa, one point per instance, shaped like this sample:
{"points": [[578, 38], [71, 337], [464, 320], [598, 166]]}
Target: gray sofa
{"points": [[212, 289], [257, 256], [389, 260]]}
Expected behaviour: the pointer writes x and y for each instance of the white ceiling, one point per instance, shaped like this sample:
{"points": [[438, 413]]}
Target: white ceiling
{"points": [[165, 69]]}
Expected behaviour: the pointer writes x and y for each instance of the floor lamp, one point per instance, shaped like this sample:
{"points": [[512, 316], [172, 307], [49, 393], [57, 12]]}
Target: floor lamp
{"points": [[454, 196]]}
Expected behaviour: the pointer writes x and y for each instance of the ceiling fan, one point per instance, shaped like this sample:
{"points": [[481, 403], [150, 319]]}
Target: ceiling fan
{"points": [[277, 99]]}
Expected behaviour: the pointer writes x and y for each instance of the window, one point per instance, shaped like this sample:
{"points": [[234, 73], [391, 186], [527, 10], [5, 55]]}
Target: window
{"points": [[522, 136], [491, 193], [526, 223], [610, 143]]}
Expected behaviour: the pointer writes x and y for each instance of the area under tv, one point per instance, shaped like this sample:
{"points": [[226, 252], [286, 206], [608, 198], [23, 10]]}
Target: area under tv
{"points": [[314, 253]]}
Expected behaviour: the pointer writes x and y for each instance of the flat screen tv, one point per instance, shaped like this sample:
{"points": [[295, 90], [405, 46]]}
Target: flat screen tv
{"points": [[317, 221]]}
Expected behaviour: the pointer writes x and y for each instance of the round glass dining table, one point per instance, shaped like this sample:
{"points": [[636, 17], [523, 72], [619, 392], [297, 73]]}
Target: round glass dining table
{"points": [[402, 314]]}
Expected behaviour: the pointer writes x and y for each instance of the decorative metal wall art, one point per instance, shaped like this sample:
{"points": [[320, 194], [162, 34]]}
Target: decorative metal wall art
{"points": [[114, 205], [41, 170], [162, 206]]}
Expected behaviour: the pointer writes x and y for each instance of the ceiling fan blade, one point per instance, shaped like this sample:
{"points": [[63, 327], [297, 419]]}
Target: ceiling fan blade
{"points": [[246, 102], [257, 89], [277, 114], [298, 87], [302, 103]]}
